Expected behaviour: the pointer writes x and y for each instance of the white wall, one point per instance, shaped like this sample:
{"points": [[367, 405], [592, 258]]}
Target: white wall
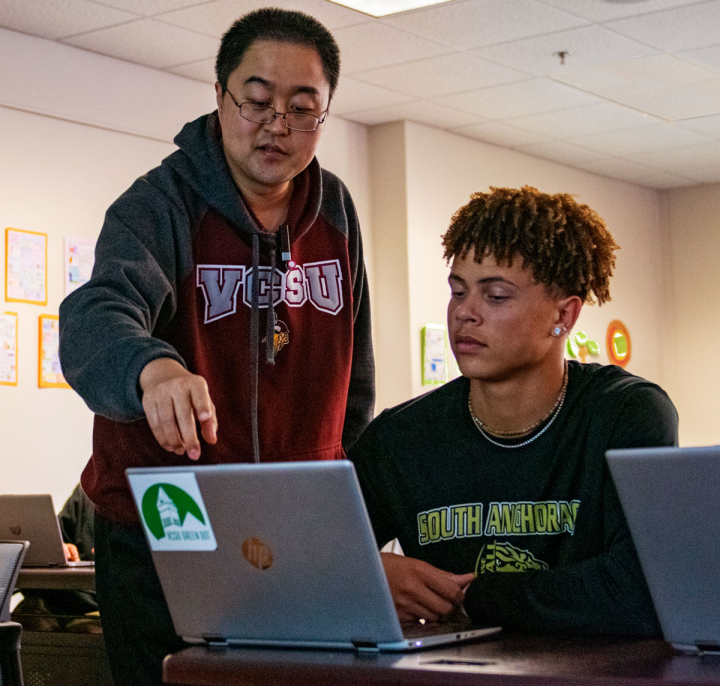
{"points": [[693, 223], [443, 169], [75, 130]]}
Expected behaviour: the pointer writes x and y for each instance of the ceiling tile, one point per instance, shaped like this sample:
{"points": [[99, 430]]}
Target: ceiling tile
{"points": [[421, 111], [518, 99], [627, 170], [605, 11], [695, 163], [441, 75], [682, 28], [662, 85], [706, 57], [500, 134], [580, 121], [641, 141], [475, 23], [204, 70], [148, 42], [565, 153], [353, 96], [147, 8], [374, 45], [710, 126], [587, 47], [215, 18], [57, 18]]}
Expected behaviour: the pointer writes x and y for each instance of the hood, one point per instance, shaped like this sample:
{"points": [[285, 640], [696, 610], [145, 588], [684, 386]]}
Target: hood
{"points": [[200, 161]]}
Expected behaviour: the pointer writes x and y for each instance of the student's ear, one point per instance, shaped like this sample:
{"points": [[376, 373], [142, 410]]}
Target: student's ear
{"points": [[568, 311]]}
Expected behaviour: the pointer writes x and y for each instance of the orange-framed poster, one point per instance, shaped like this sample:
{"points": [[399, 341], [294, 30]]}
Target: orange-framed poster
{"points": [[25, 267], [8, 349], [49, 372]]}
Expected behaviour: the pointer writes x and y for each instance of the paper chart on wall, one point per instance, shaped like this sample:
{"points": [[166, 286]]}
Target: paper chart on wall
{"points": [[8, 348], [79, 261], [25, 267], [49, 372]]}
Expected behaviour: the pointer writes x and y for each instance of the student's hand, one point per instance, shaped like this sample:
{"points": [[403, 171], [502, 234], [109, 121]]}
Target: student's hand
{"points": [[421, 591], [174, 400], [71, 552]]}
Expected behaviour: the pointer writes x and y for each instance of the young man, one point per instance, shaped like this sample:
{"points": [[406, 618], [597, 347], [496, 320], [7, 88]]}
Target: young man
{"points": [[496, 484], [229, 293]]}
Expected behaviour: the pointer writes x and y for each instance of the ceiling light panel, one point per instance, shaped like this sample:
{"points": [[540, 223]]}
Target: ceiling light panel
{"points": [[381, 8]]}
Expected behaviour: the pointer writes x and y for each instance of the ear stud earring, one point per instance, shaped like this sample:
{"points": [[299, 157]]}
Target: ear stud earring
{"points": [[557, 330]]}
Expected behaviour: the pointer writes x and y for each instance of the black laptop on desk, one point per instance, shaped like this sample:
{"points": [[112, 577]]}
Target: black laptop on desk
{"points": [[276, 555], [32, 518]]}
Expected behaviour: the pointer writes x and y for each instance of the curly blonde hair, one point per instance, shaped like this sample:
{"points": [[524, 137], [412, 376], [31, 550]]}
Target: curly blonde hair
{"points": [[565, 244]]}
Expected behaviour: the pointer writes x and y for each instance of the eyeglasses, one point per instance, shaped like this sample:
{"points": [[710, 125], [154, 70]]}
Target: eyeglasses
{"points": [[264, 114]]}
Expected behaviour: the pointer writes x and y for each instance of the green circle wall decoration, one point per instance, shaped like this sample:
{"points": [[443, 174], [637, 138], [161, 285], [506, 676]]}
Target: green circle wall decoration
{"points": [[619, 346]]}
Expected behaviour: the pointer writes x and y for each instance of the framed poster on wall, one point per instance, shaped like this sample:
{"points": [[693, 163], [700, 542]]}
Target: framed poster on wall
{"points": [[49, 371], [25, 267], [8, 349]]}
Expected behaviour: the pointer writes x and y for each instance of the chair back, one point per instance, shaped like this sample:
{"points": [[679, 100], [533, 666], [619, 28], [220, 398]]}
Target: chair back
{"points": [[11, 557]]}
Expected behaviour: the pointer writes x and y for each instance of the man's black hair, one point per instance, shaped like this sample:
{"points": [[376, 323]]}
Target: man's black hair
{"points": [[286, 26]]}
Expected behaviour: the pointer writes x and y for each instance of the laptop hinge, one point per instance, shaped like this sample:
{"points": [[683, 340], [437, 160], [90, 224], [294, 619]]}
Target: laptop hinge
{"points": [[365, 645], [707, 647], [216, 641]]}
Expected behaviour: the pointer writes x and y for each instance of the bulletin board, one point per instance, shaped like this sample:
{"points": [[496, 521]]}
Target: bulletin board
{"points": [[49, 371], [25, 267], [8, 349]]}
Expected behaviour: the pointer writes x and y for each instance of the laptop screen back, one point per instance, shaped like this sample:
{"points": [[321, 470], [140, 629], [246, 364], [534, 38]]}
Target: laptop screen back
{"points": [[670, 500]]}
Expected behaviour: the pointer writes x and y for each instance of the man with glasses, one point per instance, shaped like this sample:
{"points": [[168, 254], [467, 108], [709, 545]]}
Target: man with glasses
{"points": [[227, 319]]}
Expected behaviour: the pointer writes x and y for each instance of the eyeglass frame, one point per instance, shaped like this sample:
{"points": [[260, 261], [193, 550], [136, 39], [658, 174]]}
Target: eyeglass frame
{"points": [[277, 114]]}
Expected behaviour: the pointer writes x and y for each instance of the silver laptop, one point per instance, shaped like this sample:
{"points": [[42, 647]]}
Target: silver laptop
{"points": [[32, 518], [276, 555], [670, 497]]}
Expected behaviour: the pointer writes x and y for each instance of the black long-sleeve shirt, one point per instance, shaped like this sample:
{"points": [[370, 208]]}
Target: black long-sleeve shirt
{"points": [[541, 525]]}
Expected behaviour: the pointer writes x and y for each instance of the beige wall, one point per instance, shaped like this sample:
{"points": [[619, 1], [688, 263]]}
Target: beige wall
{"points": [[693, 225], [442, 170], [71, 143]]}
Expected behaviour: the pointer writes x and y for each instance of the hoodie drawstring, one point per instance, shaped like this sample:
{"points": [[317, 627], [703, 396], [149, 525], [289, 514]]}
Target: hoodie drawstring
{"points": [[270, 327], [254, 347], [255, 336]]}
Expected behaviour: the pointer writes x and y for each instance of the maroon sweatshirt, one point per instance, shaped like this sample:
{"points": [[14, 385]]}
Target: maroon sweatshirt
{"points": [[174, 278]]}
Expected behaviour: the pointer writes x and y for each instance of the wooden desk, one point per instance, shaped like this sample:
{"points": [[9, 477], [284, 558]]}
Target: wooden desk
{"points": [[509, 660], [66, 578]]}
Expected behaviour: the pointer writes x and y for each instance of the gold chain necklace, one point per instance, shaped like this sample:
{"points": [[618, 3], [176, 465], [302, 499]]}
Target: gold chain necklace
{"points": [[484, 429]]}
